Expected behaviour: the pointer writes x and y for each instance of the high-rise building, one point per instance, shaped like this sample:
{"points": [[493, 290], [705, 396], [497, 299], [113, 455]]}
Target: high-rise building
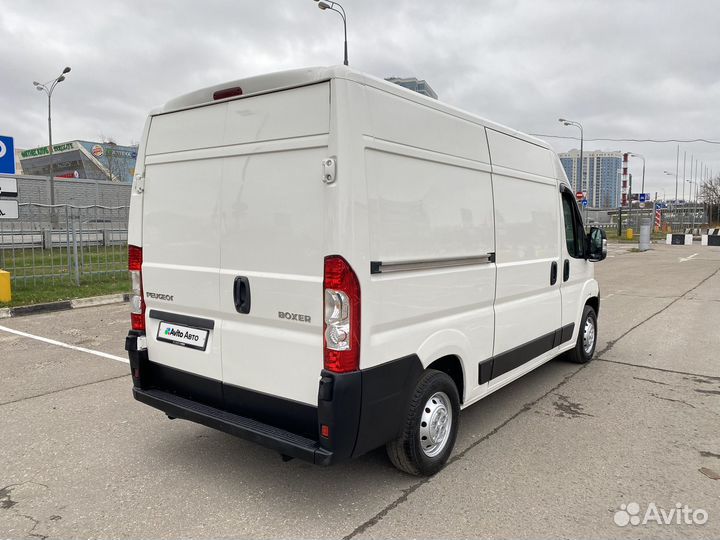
{"points": [[411, 83], [601, 176]]}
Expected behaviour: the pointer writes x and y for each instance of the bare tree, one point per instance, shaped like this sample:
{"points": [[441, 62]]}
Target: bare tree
{"points": [[710, 191], [710, 195], [114, 162]]}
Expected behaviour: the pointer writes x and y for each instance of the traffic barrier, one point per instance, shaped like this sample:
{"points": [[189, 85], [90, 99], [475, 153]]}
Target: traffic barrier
{"points": [[679, 239], [710, 240]]}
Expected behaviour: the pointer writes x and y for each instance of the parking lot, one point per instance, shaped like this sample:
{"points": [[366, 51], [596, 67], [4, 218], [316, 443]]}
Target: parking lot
{"points": [[553, 454]]}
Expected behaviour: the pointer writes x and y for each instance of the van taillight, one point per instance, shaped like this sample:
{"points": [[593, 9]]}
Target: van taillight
{"points": [[227, 92], [341, 327], [137, 304]]}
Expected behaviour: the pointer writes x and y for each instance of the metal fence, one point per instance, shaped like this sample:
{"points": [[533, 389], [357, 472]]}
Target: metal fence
{"points": [[73, 244], [675, 219]]}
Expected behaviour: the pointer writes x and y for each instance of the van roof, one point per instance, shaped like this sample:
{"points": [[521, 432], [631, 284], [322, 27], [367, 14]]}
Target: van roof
{"points": [[282, 80]]}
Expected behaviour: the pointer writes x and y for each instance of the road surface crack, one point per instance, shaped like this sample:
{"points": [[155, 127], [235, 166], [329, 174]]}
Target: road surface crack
{"points": [[673, 400], [650, 381], [7, 503], [414, 487], [712, 392]]}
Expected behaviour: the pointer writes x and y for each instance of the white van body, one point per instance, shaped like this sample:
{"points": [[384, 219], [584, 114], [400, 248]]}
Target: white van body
{"points": [[453, 226]]}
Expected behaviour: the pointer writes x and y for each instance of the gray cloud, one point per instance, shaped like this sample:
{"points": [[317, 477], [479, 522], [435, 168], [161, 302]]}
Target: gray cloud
{"points": [[642, 69]]}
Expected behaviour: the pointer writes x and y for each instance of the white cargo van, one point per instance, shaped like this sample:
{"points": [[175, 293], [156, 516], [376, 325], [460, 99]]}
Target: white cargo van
{"points": [[324, 263]]}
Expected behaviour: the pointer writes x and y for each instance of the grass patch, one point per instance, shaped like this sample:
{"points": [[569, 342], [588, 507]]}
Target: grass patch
{"points": [[48, 275], [613, 236], [24, 294], [59, 261]]}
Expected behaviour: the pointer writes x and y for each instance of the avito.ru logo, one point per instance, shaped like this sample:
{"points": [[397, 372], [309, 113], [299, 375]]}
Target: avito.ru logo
{"points": [[630, 514]]}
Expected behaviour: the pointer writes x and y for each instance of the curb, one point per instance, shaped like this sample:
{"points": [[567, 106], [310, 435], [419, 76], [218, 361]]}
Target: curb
{"points": [[20, 311]]}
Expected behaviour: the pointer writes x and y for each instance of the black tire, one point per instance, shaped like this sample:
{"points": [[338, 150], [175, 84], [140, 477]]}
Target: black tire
{"points": [[581, 354], [406, 452]]}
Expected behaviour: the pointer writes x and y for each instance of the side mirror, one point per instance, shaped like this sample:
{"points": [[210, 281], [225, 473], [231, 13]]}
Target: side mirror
{"points": [[597, 242]]}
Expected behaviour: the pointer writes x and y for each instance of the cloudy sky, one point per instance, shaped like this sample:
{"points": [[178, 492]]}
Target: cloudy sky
{"points": [[625, 69]]}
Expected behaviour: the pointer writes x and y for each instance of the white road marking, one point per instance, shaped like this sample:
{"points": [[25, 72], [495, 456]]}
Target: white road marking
{"points": [[65, 345], [689, 258]]}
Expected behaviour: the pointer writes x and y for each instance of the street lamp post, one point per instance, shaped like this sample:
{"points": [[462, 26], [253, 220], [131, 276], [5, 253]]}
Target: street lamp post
{"points": [[582, 138], [675, 203], [693, 207], [677, 171], [642, 183], [322, 4], [48, 88], [579, 126]]}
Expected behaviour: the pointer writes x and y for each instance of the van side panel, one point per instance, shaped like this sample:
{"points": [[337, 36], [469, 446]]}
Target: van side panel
{"points": [[402, 121], [527, 306], [429, 198]]}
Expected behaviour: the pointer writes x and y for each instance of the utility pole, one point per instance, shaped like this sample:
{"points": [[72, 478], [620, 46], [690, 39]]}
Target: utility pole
{"points": [[677, 167], [630, 223]]}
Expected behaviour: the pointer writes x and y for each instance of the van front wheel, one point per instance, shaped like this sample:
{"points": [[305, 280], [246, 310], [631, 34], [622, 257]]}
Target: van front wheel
{"points": [[587, 338], [430, 427]]}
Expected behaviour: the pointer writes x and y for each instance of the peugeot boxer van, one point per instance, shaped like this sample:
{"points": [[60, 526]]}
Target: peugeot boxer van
{"points": [[324, 263]]}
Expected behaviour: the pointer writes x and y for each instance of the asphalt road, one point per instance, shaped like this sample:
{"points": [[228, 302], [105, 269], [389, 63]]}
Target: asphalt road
{"points": [[553, 454]]}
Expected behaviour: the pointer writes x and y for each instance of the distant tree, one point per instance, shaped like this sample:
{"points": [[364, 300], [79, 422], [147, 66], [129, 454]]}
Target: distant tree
{"points": [[710, 191], [710, 195], [114, 163]]}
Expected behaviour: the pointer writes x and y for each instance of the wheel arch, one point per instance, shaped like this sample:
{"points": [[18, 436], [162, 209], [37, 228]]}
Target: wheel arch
{"points": [[594, 302], [445, 351], [452, 366]]}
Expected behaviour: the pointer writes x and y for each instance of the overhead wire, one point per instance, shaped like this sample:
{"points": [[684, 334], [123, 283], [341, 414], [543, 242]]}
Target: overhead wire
{"points": [[699, 140]]}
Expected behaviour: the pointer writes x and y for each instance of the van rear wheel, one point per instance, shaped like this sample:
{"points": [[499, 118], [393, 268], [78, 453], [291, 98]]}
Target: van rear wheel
{"points": [[587, 338], [430, 427]]}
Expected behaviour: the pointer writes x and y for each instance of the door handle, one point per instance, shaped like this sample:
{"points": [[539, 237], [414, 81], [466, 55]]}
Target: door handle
{"points": [[241, 294], [566, 270], [553, 273]]}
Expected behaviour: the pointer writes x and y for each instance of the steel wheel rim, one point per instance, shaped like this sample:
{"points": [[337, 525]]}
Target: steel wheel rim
{"points": [[588, 335], [435, 424]]}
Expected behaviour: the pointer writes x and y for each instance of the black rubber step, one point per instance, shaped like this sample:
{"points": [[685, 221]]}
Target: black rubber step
{"points": [[283, 441]]}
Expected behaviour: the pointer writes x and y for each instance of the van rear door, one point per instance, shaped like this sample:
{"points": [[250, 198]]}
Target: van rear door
{"points": [[181, 249], [272, 243]]}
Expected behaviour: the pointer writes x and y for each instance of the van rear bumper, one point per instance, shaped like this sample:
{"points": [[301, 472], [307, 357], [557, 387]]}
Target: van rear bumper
{"points": [[360, 410], [285, 442]]}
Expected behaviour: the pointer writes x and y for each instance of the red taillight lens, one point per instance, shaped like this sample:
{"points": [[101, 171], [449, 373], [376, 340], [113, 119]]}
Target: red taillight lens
{"points": [[341, 325], [134, 258], [137, 304], [137, 321]]}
